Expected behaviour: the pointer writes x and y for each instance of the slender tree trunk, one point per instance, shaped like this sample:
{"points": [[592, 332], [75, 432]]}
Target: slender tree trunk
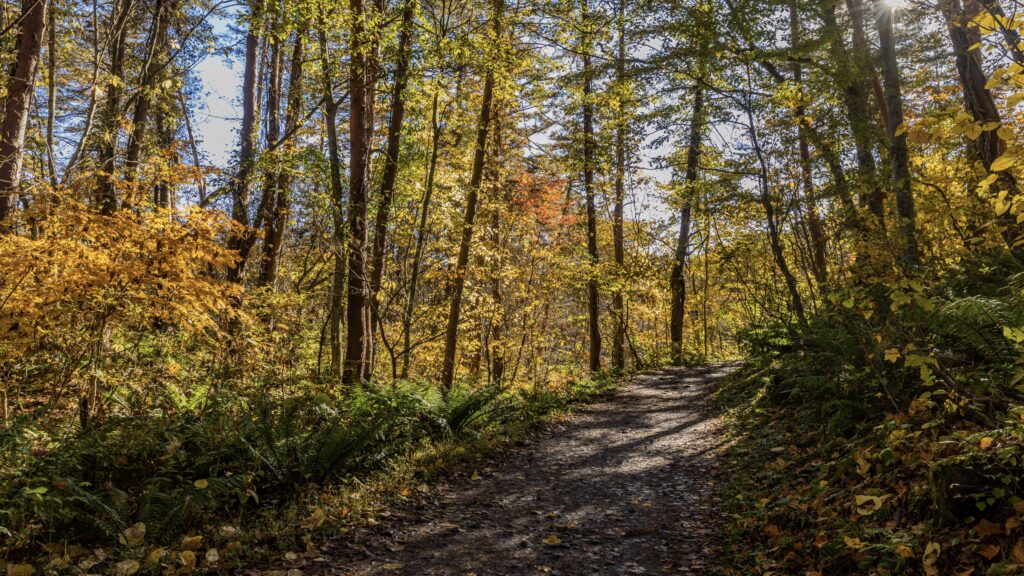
{"points": [[246, 149], [193, 146], [814, 229], [278, 218], [618, 236], [593, 296], [421, 234], [774, 239], [144, 98], [677, 280], [979, 102], [354, 365], [163, 190], [19, 102], [112, 114], [90, 115], [851, 79], [476, 178], [336, 304], [898, 154], [269, 199], [394, 147], [862, 52], [51, 92]]}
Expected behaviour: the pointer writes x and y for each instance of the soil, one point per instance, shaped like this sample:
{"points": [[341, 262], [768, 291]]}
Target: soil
{"points": [[624, 486]]}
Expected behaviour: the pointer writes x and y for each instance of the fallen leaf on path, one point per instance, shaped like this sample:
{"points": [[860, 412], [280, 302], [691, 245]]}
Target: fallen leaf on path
{"points": [[552, 540], [990, 551], [930, 557], [987, 528], [126, 568]]}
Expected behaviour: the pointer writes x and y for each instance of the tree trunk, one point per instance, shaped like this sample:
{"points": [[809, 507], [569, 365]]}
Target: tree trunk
{"points": [[354, 365], [862, 51], [193, 146], [394, 147], [618, 235], [677, 280], [593, 296], [112, 114], [246, 149], [774, 240], [817, 235], [144, 97], [910, 257], [278, 217], [851, 79], [336, 304], [19, 101], [51, 93], [461, 265], [421, 234]]}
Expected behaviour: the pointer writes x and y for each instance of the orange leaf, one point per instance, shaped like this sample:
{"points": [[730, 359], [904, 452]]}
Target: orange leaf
{"points": [[987, 528], [990, 551]]}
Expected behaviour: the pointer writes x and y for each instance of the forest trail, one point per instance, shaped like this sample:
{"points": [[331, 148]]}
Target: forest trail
{"points": [[624, 487]]}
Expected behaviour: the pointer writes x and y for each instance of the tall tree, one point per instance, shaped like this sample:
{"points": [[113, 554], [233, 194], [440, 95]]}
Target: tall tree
{"points": [[239, 241], [394, 147], [899, 159], [618, 234], [19, 100], [593, 296], [472, 198], [354, 365], [677, 280], [280, 204]]}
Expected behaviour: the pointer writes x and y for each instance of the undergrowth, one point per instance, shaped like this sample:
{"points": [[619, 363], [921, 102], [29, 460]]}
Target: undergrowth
{"points": [[203, 488], [884, 438]]}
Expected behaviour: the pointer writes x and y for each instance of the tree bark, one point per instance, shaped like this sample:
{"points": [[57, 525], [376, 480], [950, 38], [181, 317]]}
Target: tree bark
{"points": [[774, 239], [277, 220], [851, 77], [618, 235], [144, 97], [593, 296], [112, 113], [677, 280], [910, 257], [51, 92], [19, 102], [394, 147], [354, 365], [818, 243], [336, 304], [246, 149], [421, 234], [476, 178]]}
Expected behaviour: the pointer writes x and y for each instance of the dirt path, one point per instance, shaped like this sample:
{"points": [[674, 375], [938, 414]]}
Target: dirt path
{"points": [[623, 488]]}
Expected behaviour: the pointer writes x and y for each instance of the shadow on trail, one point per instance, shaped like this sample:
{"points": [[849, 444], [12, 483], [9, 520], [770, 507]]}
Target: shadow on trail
{"points": [[624, 489]]}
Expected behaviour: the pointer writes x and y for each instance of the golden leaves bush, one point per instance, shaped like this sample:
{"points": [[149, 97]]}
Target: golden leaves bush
{"points": [[82, 279]]}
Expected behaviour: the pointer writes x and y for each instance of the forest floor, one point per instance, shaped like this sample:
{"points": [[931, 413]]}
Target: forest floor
{"points": [[625, 486]]}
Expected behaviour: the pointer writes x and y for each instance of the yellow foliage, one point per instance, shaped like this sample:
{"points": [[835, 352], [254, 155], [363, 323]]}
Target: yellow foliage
{"points": [[82, 277]]}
